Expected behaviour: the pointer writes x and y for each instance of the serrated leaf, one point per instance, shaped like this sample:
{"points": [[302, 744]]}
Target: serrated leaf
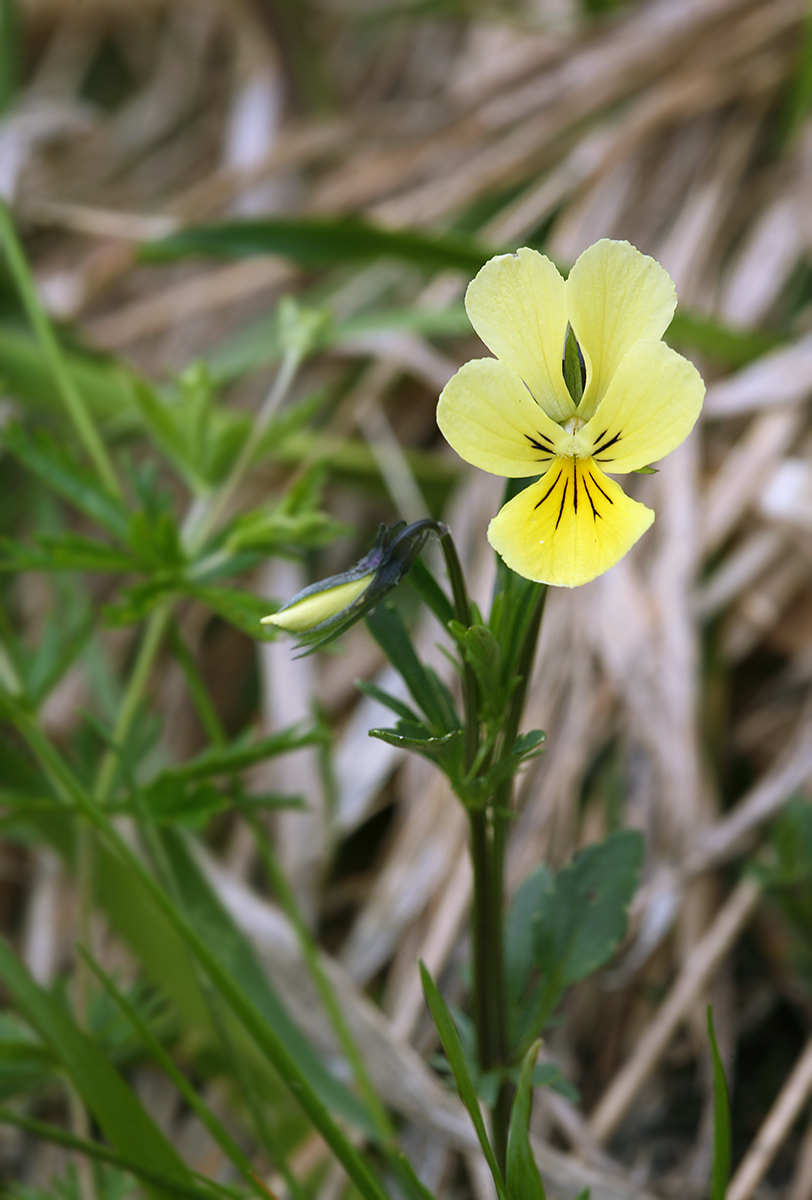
{"points": [[522, 1175], [53, 466]]}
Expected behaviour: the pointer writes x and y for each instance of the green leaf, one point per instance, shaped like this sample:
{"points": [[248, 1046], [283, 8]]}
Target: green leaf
{"points": [[456, 1060], [11, 55], [318, 242], [246, 751], [522, 1175], [63, 552], [241, 609], [119, 1113], [720, 1174], [392, 702], [236, 956], [562, 928], [25, 1064], [26, 374], [431, 593], [57, 469], [169, 801], [435, 748], [426, 688]]}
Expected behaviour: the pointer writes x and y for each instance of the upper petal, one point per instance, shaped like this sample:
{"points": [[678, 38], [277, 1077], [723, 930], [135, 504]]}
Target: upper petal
{"points": [[516, 304], [487, 414], [570, 526], [650, 406], [615, 296]]}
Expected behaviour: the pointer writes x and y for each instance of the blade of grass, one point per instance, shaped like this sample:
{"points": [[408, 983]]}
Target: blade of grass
{"points": [[164, 1060], [10, 57], [120, 1114], [265, 1037], [720, 1175], [456, 1060], [60, 1137]]}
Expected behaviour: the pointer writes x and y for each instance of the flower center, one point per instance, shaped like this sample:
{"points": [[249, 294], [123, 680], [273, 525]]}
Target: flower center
{"points": [[574, 424]]}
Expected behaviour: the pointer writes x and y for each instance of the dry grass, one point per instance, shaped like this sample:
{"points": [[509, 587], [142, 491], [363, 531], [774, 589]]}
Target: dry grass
{"points": [[676, 687]]}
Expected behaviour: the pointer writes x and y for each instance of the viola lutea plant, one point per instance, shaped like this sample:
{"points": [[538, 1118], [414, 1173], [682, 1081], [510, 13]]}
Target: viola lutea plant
{"points": [[582, 388]]}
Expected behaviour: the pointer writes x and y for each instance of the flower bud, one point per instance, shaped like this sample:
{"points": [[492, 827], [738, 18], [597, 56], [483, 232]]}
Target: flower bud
{"points": [[323, 611]]}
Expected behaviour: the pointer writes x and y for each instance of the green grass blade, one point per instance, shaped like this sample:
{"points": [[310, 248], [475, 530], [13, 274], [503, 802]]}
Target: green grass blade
{"points": [[164, 1060], [119, 1113], [71, 398], [10, 56], [456, 1059], [202, 1190], [244, 1007], [319, 242], [720, 1175]]}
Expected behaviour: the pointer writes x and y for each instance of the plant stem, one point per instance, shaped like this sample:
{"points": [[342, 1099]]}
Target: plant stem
{"points": [[488, 839], [489, 987], [73, 401], [206, 512]]}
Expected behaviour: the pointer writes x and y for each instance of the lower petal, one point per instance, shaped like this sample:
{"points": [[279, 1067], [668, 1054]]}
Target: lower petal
{"points": [[570, 526]]}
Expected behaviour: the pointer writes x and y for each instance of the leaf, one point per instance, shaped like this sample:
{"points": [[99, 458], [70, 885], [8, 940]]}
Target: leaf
{"points": [[11, 56], [432, 747], [318, 242], [720, 1174], [119, 1113], [426, 688], [241, 609], [63, 552], [25, 1064], [26, 374], [54, 467], [389, 701], [169, 801], [235, 954], [247, 751], [522, 1175], [562, 928], [456, 1060]]}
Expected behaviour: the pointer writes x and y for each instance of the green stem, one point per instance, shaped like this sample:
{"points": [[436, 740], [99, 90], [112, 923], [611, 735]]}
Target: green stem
{"points": [[205, 513], [73, 401], [488, 840]]}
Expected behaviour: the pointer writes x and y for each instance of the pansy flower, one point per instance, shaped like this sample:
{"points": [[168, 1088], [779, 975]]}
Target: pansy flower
{"points": [[582, 387]]}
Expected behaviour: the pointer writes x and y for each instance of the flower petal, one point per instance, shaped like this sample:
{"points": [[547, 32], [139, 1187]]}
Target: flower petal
{"points": [[650, 406], [615, 297], [516, 305], [489, 417], [571, 525]]}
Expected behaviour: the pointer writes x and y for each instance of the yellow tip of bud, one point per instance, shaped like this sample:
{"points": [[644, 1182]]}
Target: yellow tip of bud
{"points": [[320, 606]]}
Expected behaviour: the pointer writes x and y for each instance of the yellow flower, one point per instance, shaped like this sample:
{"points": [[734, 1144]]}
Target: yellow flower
{"points": [[630, 401]]}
